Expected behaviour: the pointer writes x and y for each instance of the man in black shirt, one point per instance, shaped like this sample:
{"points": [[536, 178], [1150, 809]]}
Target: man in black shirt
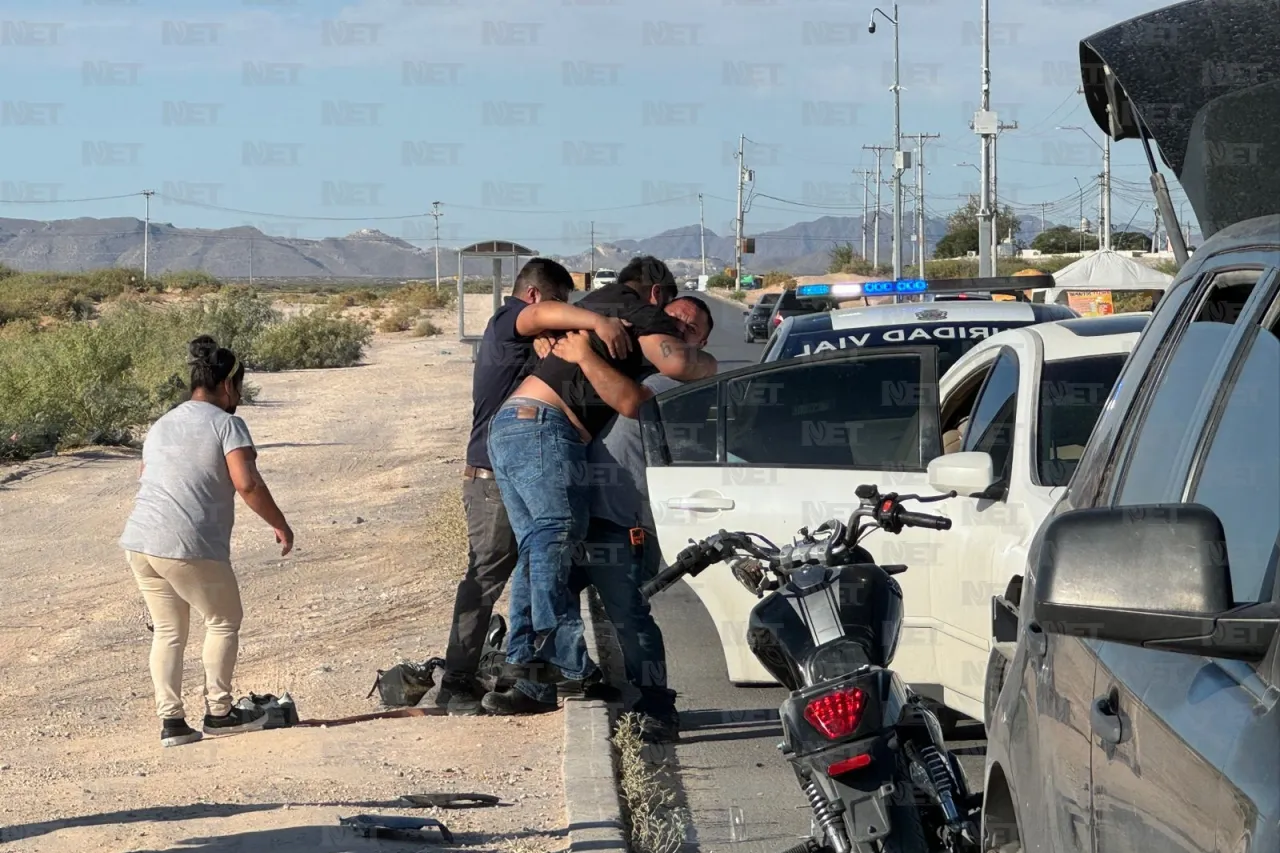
{"points": [[538, 442], [505, 357]]}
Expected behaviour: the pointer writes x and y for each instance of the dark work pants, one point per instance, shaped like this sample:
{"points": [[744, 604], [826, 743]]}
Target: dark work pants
{"points": [[491, 558]]}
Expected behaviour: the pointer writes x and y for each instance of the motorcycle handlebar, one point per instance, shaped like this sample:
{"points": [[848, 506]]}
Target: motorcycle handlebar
{"points": [[665, 578], [923, 519]]}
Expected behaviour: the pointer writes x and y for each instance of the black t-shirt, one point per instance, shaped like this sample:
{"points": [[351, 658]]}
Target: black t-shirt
{"points": [[503, 360], [568, 380]]}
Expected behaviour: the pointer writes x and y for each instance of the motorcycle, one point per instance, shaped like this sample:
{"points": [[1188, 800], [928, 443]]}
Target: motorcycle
{"points": [[868, 753]]}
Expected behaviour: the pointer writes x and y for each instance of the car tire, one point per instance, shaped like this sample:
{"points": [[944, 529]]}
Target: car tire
{"points": [[906, 826], [997, 669]]}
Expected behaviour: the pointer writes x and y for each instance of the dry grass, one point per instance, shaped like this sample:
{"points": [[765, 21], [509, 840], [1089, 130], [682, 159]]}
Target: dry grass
{"points": [[402, 319], [655, 823]]}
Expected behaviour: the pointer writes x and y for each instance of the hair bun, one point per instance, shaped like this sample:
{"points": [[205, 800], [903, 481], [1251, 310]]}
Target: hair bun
{"points": [[203, 350]]}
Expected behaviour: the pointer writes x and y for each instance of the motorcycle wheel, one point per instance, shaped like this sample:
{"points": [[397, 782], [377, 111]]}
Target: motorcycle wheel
{"points": [[906, 833]]}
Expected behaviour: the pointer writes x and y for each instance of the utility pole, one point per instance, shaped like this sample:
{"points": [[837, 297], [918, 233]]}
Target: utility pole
{"points": [[866, 188], [436, 214], [1043, 205], [592, 251], [702, 233], [879, 149], [986, 124], [251, 263], [1106, 190], [995, 197], [920, 139], [146, 235], [737, 243]]}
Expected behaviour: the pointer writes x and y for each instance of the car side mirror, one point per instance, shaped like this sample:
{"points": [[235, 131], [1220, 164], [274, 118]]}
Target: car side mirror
{"points": [[966, 474], [1155, 576]]}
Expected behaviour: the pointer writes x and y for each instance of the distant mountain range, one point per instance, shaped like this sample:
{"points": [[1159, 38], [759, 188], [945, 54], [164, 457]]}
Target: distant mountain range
{"points": [[69, 245]]}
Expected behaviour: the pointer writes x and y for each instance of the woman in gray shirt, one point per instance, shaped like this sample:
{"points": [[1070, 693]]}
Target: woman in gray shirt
{"points": [[178, 540]]}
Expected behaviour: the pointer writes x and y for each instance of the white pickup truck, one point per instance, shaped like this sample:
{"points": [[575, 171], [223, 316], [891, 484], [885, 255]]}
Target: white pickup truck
{"points": [[783, 444]]}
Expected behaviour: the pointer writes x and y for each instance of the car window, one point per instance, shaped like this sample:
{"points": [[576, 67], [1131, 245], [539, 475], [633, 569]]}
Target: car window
{"points": [[1072, 394], [1239, 478], [688, 419], [990, 428], [1147, 476], [788, 299], [840, 414]]}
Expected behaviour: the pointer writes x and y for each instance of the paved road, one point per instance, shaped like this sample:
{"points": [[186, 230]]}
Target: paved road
{"points": [[743, 796]]}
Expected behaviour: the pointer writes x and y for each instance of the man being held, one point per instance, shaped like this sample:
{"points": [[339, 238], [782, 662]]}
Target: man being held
{"points": [[622, 551], [538, 442], [505, 357]]}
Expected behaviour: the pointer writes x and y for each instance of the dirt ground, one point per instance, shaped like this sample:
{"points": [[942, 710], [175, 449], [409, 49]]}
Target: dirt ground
{"points": [[365, 463]]}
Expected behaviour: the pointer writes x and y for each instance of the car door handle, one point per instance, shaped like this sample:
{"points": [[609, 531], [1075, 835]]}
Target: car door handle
{"points": [[700, 504], [1107, 721]]}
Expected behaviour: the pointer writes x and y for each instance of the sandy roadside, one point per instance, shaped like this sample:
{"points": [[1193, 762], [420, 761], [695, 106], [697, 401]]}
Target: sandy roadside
{"points": [[365, 463]]}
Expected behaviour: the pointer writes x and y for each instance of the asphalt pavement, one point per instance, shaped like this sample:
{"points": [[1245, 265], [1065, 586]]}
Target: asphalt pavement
{"points": [[742, 794]]}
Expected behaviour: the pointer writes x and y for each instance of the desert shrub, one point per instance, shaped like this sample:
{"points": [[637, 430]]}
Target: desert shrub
{"points": [[720, 280], [426, 329], [354, 298], [311, 341], [738, 295], [424, 296], [189, 280], [75, 384], [7, 271], [402, 319]]}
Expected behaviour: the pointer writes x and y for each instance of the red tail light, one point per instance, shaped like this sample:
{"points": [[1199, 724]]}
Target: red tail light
{"points": [[837, 714]]}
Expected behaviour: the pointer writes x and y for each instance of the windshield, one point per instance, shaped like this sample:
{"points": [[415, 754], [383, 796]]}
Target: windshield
{"points": [[605, 274], [1072, 394], [952, 339]]}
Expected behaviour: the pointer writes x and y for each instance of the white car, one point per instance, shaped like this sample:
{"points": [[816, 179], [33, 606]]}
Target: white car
{"points": [[779, 446], [603, 277]]}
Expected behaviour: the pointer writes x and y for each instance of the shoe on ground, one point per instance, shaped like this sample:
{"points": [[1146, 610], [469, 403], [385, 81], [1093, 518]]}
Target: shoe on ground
{"points": [[660, 720], [235, 721], [459, 697], [512, 702], [176, 732], [539, 672], [594, 686]]}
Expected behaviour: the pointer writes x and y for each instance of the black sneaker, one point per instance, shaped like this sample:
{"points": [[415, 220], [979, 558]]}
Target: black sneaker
{"points": [[459, 697], [594, 686], [237, 720], [176, 732], [539, 672], [661, 721], [513, 701]]}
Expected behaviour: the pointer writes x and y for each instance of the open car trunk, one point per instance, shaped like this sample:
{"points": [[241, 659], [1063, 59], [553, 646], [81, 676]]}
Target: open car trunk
{"points": [[1203, 78]]}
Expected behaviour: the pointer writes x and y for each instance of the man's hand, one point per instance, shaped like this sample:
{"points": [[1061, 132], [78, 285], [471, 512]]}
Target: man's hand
{"points": [[613, 333], [574, 347], [543, 345]]}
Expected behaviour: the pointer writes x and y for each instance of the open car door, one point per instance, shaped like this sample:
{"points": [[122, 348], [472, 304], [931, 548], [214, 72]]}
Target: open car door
{"points": [[778, 446]]}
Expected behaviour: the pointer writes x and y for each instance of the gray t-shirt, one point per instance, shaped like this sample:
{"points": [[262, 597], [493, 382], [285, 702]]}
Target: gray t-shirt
{"points": [[185, 507], [619, 492]]}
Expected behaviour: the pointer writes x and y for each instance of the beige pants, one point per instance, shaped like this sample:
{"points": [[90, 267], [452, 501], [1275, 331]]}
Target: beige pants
{"points": [[171, 588]]}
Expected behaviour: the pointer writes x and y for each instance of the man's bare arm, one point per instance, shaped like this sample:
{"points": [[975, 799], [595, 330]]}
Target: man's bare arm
{"points": [[563, 317], [624, 395], [676, 359]]}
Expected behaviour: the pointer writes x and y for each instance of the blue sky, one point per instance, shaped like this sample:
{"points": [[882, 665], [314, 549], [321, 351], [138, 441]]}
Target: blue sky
{"points": [[528, 120]]}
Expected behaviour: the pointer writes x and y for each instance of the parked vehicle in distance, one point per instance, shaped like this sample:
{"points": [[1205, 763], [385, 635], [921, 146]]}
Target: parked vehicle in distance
{"points": [[756, 318], [1003, 427], [603, 277], [789, 304], [1146, 668]]}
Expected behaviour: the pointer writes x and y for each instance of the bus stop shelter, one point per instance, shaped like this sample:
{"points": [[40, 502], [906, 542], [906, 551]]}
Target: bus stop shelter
{"points": [[498, 251]]}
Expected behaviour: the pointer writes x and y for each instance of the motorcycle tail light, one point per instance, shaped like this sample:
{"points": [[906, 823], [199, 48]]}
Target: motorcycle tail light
{"points": [[849, 764], [837, 714]]}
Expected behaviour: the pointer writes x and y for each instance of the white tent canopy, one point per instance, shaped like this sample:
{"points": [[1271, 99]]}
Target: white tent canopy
{"points": [[1107, 270]]}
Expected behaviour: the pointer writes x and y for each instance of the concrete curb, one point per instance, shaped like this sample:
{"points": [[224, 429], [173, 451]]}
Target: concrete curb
{"points": [[590, 780]]}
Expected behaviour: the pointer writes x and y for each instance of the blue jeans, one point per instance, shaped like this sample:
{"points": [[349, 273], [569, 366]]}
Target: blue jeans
{"points": [[617, 572], [538, 457]]}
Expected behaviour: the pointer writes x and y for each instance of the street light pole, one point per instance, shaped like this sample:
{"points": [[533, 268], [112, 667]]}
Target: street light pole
{"points": [[900, 160], [1081, 225], [436, 214], [1105, 200], [146, 235]]}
